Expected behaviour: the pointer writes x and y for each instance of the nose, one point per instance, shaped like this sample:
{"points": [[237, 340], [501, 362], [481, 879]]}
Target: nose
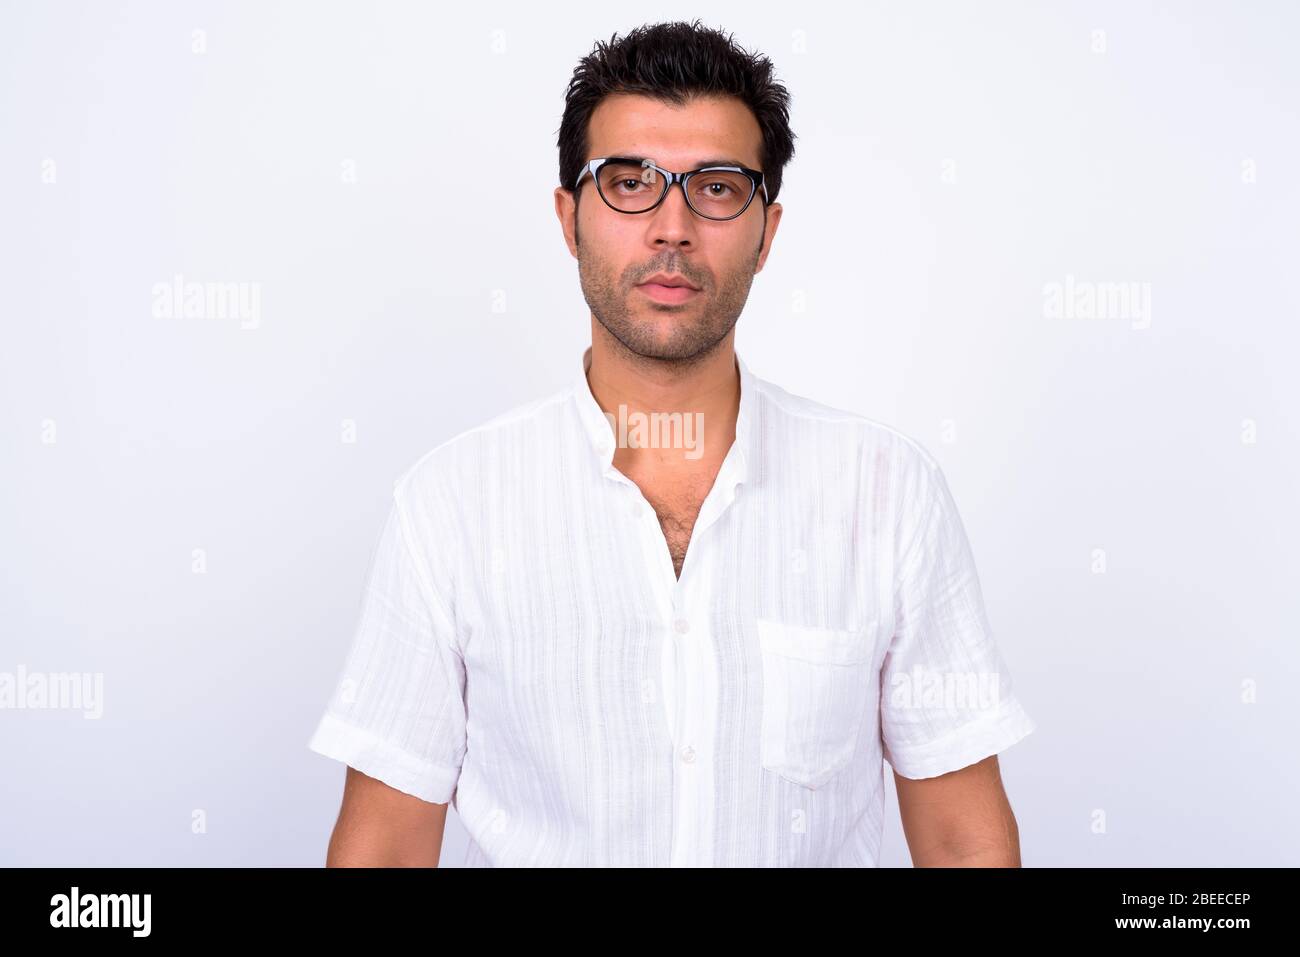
{"points": [[672, 221]]}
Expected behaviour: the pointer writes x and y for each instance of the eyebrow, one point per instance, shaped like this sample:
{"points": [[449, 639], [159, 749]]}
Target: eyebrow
{"points": [[699, 164]]}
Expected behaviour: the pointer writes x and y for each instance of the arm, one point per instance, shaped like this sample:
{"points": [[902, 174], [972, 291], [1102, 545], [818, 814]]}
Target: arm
{"points": [[959, 819], [380, 826]]}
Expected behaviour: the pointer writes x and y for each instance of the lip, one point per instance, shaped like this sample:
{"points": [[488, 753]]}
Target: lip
{"points": [[670, 279], [671, 294]]}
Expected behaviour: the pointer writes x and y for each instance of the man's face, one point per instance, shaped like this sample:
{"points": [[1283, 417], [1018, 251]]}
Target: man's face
{"points": [[617, 252]]}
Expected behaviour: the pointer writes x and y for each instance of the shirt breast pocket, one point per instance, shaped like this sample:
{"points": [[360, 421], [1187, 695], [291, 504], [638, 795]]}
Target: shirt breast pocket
{"points": [[815, 697]]}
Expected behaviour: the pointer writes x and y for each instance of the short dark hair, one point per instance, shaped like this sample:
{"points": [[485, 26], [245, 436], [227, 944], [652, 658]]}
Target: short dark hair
{"points": [[675, 62]]}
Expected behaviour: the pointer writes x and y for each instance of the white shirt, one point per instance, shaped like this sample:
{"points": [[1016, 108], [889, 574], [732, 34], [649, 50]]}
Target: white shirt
{"points": [[526, 652]]}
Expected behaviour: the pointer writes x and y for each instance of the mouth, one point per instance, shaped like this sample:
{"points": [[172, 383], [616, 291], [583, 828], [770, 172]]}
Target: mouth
{"points": [[664, 292]]}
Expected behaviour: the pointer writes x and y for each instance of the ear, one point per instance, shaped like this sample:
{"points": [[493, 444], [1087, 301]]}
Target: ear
{"points": [[566, 212], [769, 233]]}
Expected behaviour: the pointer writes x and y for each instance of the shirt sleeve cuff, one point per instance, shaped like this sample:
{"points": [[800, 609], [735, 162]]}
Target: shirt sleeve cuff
{"points": [[966, 745], [371, 755]]}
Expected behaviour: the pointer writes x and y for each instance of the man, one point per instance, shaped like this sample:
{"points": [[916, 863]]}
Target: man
{"points": [[604, 649]]}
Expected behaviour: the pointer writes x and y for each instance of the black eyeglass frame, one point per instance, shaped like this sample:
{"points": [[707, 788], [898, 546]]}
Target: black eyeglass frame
{"points": [[756, 178]]}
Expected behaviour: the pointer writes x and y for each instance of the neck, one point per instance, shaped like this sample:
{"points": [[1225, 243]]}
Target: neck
{"points": [[704, 390]]}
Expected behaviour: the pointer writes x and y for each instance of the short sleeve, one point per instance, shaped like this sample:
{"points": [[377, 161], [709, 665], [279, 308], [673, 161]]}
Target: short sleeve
{"points": [[946, 695], [398, 711]]}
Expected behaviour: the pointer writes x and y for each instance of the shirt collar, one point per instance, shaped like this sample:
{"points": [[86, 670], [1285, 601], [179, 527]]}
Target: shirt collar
{"points": [[600, 432]]}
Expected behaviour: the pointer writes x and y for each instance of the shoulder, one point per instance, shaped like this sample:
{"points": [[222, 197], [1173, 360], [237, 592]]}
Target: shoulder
{"points": [[881, 445], [458, 463]]}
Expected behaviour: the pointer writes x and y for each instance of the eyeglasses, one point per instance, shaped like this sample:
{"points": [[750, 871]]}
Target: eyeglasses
{"points": [[631, 185]]}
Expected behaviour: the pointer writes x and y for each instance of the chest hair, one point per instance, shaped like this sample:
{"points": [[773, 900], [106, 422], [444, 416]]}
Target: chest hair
{"points": [[677, 504]]}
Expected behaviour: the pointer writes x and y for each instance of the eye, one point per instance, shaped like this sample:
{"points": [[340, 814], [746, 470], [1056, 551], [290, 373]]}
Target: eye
{"points": [[718, 188]]}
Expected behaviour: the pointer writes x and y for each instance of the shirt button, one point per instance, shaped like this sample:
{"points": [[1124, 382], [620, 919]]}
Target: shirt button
{"points": [[688, 755], [681, 626]]}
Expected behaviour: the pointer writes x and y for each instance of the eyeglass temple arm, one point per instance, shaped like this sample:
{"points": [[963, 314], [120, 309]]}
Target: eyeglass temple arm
{"points": [[585, 170]]}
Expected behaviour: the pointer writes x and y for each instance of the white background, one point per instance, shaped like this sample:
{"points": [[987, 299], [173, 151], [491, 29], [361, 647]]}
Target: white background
{"points": [[952, 159]]}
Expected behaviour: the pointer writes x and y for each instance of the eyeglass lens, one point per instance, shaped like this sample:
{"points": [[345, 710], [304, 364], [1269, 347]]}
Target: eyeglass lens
{"points": [[631, 188]]}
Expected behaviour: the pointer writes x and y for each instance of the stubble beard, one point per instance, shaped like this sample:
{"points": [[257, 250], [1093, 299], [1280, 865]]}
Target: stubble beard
{"points": [[696, 328]]}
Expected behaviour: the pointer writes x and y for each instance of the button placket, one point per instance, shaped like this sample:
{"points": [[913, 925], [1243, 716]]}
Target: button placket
{"points": [[695, 677], [686, 824], [689, 677]]}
